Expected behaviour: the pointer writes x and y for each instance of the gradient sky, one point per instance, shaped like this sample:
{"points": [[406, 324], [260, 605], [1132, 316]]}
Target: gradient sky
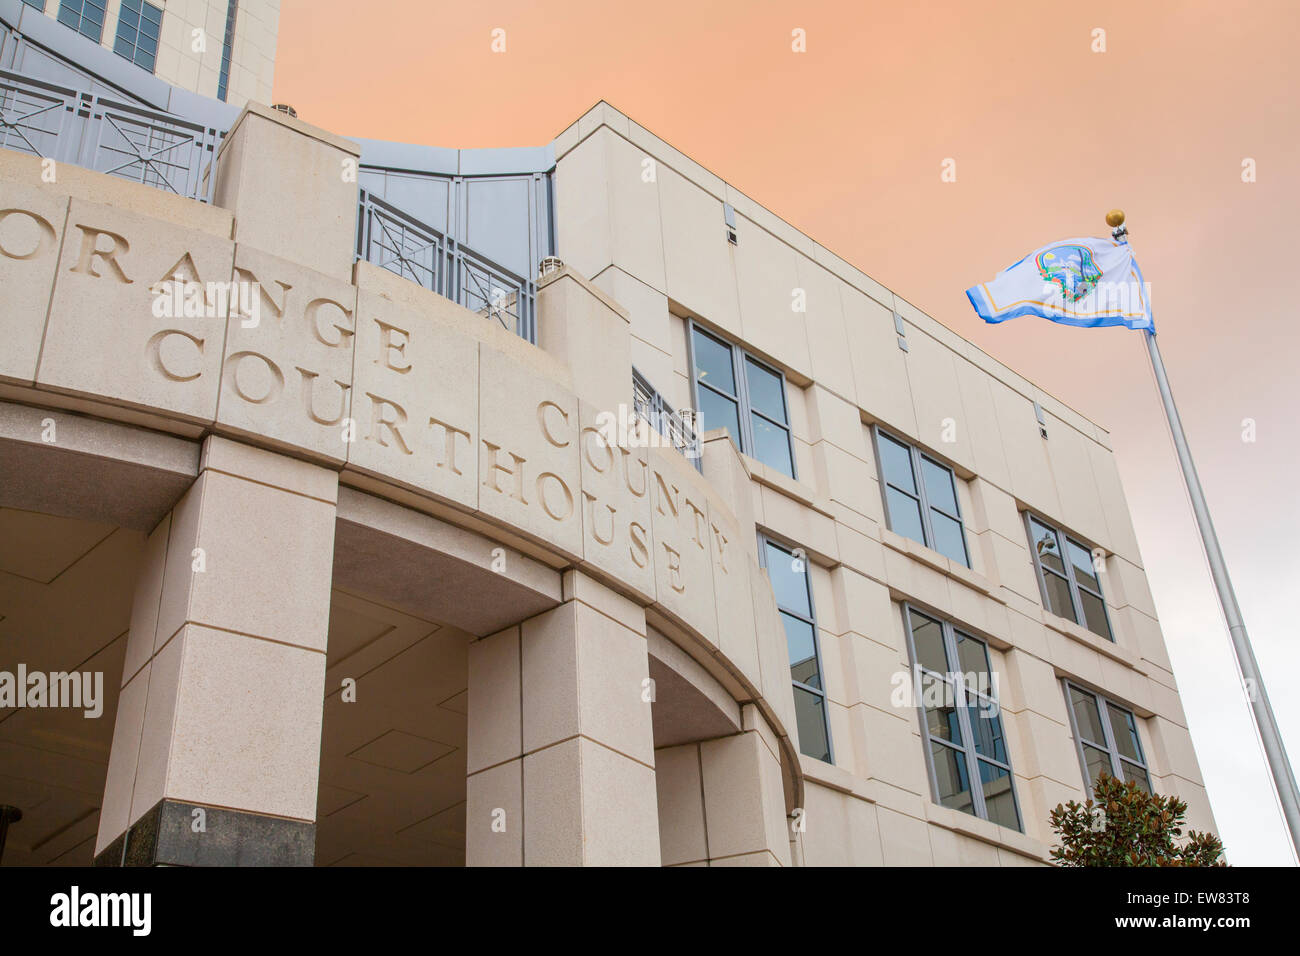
{"points": [[846, 142]]}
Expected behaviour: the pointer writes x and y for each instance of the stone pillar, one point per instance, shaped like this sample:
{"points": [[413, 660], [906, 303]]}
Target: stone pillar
{"points": [[292, 187], [561, 752], [721, 801], [216, 748], [588, 331]]}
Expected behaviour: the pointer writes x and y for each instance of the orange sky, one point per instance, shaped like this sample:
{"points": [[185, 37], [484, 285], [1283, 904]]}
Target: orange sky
{"points": [[846, 141]]}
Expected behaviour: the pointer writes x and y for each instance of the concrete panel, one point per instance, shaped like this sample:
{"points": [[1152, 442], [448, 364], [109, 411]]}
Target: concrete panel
{"points": [[415, 402], [31, 233], [123, 264], [287, 371]]}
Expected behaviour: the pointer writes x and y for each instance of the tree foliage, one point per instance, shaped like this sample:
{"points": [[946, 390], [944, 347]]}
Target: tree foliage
{"points": [[1123, 825]]}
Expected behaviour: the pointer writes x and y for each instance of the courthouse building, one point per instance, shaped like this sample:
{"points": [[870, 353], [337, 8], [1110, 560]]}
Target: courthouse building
{"points": [[553, 505]]}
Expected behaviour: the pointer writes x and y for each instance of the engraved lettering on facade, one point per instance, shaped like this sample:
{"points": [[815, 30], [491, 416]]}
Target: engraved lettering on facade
{"points": [[391, 351], [249, 379], [90, 251], [168, 367], [381, 422], [45, 235], [308, 393]]}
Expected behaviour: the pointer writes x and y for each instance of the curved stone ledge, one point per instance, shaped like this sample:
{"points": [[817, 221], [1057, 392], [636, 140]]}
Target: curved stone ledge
{"points": [[136, 317]]}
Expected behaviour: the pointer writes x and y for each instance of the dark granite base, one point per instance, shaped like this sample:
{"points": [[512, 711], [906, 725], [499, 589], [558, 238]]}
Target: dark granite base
{"points": [[165, 837]]}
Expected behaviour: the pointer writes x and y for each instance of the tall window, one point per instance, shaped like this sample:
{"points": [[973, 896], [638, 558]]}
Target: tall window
{"points": [[227, 45], [920, 498], [735, 391], [1107, 738], [1068, 578], [138, 25], [961, 720], [789, 574], [84, 16]]}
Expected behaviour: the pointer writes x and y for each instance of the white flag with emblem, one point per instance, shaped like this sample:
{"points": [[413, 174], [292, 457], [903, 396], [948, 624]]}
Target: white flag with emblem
{"points": [[1085, 282]]}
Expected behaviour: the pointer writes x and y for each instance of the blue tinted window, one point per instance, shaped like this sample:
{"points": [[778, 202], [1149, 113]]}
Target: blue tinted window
{"points": [[930, 513], [227, 45], [84, 16], [961, 721], [1106, 735], [788, 572], [736, 391], [138, 25], [896, 464], [1069, 578]]}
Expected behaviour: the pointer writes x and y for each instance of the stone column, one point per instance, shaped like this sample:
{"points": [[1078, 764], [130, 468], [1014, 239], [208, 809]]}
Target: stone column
{"points": [[721, 801], [216, 748], [561, 751], [292, 187]]}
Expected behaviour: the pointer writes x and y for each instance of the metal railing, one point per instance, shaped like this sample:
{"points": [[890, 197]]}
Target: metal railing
{"points": [[109, 136], [402, 244], [677, 427]]}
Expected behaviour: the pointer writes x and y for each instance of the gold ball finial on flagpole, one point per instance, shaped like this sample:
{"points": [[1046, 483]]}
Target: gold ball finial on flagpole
{"points": [[1118, 231]]}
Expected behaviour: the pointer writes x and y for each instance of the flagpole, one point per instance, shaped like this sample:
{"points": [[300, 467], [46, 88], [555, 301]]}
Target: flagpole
{"points": [[1265, 722]]}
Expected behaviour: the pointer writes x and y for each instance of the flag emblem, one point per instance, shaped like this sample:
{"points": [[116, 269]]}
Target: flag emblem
{"points": [[1071, 268], [1081, 281]]}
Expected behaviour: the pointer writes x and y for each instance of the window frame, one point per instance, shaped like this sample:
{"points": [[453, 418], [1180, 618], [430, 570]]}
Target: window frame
{"points": [[744, 408], [134, 38], [1063, 541], [1117, 760], [967, 748], [765, 539], [80, 14], [922, 497], [227, 51]]}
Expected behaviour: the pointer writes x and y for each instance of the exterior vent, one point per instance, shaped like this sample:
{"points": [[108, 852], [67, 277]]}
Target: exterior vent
{"points": [[729, 218], [285, 108], [901, 330], [548, 265], [1042, 421]]}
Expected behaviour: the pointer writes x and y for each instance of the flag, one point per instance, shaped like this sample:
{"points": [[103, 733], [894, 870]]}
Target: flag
{"points": [[1084, 282]]}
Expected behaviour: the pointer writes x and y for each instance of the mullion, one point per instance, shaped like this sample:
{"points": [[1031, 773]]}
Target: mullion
{"points": [[926, 527], [797, 616], [963, 716], [768, 418], [1062, 544], [1044, 570], [918, 472], [742, 398], [904, 491], [719, 392], [920, 704], [1081, 616], [1116, 769]]}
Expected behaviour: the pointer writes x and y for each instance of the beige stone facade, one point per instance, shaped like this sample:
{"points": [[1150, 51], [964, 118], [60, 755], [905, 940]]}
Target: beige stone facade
{"points": [[370, 585], [192, 38]]}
